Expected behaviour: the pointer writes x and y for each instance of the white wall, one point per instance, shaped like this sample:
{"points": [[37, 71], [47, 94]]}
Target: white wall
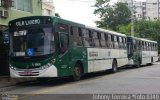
{"points": [[48, 8]]}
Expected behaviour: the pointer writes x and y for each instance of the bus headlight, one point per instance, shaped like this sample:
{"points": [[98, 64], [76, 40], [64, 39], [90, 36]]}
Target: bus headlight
{"points": [[12, 67]]}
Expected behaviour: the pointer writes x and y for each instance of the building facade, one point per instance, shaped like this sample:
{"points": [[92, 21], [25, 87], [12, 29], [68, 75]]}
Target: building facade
{"points": [[139, 8], [9, 10], [153, 9], [12, 9], [48, 8], [149, 9]]}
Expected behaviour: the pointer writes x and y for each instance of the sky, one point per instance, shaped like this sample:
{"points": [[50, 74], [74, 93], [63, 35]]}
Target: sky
{"points": [[80, 11]]}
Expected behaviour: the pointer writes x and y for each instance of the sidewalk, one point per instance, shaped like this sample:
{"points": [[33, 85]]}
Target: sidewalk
{"points": [[6, 81]]}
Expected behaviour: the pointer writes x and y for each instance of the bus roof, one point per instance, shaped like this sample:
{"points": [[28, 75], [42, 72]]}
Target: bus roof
{"points": [[143, 39], [89, 27], [71, 23], [93, 28], [106, 31]]}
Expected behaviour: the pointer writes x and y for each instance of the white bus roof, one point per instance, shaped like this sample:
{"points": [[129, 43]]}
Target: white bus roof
{"points": [[147, 40], [107, 31]]}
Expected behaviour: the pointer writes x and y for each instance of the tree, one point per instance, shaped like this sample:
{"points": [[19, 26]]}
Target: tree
{"points": [[126, 29], [144, 29], [149, 29], [111, 17]]}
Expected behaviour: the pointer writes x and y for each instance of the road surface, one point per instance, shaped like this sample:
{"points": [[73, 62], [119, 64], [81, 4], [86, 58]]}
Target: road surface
{"points": [[143, 80]]}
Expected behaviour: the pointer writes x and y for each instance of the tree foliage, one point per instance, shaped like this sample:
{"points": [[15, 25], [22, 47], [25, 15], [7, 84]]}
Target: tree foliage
{"points": [[111, 16], [149, 29], [144, 29], [118, 17]]}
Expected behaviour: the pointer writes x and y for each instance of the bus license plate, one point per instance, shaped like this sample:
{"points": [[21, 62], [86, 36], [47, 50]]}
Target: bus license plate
{"points": [[28, 72]]}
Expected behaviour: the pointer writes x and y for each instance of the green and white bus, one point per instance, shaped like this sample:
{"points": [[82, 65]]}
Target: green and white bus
{"points": [[47, 47], [141, 51]]}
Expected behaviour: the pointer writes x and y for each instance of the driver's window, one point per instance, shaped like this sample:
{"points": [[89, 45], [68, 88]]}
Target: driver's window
{"points": [[62, 31]]}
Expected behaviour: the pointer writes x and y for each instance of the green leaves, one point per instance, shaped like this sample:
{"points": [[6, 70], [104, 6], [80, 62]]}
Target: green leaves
{"points": [[111, 16], [149, 30], [118, 17]]}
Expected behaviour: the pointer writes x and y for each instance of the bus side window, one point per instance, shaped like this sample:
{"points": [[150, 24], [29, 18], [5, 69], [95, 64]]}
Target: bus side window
{"points": [[156, 47], [76, 36], [106, 40], [85, 37], [152, 46], [96, 39], [136, 45], [103, 40], [139, 45], [63, 42], [91, 43], [109, 42], [124, 42], [118, 42], [149, 47], [142, 45], [115, 42], [145, 46], [121, 43], [80, 42], [62, 31]]}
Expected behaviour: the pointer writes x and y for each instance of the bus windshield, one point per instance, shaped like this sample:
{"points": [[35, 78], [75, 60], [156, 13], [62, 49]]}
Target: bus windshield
{"points": [[32, 42]]}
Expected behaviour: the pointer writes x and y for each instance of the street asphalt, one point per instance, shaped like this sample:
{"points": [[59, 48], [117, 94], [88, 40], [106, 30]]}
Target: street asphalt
{"points": [[129, 80]]}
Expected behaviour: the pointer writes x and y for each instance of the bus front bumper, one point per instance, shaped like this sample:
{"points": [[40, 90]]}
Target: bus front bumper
{"points": [[48, 72]]}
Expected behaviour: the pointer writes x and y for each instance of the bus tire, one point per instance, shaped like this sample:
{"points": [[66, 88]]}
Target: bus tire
{"points": [[77, 72], [114, 66], [151, 62]]}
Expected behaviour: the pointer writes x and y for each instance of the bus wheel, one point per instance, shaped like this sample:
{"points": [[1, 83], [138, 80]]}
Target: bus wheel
{"points": [[77, 72], [114, 66], [151, 62]]}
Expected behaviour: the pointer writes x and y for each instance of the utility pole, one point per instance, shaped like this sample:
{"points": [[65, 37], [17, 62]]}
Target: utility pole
{"points": [[158, 9], [132, 18]]}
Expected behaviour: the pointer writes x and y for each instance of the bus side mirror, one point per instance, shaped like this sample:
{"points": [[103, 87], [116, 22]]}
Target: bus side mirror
{"points": [[61, 39]]}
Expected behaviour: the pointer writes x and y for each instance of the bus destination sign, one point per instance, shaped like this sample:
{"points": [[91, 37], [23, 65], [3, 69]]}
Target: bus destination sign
{"points": [[28, 22]]}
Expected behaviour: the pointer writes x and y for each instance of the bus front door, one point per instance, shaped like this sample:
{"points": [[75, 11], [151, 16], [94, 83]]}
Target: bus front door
{"points": [[63, 55]]}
